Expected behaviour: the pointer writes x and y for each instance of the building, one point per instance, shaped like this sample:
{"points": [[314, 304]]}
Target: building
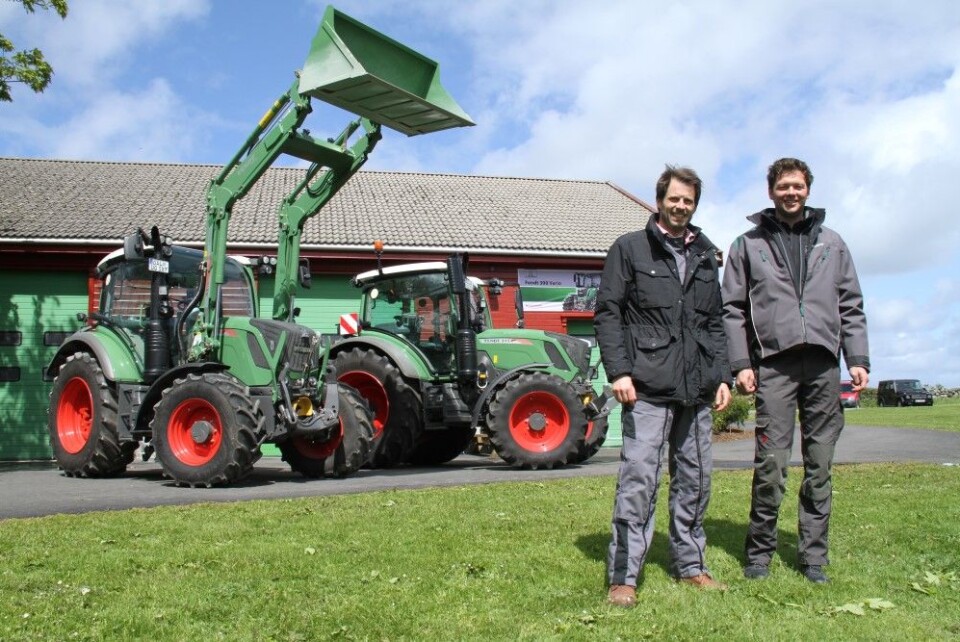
{"points": [[59, 218]]}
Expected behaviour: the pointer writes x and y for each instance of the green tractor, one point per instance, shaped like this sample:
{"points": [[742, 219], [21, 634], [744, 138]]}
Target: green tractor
{"points": [[438, 375], [177, 359]]}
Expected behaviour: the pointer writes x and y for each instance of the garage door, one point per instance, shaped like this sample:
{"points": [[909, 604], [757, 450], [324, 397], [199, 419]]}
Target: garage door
{"points": [[37, 309]]}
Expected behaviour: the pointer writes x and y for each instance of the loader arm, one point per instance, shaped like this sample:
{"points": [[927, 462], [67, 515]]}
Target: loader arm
{"points": [[350, 66], [311, 194], [278, 133]]}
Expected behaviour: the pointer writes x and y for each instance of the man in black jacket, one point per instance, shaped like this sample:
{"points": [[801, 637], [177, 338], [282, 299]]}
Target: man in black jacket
{"points": [[660, 330], [792, 304]]}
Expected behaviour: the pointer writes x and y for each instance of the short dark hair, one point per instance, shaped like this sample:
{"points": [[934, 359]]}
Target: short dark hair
{"points": [[784, 165], [684, 175]]}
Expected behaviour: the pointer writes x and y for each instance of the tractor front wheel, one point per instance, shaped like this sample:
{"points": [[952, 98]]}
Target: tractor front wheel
{"points": [[345, 452], [536, 421], [207, 430], [396, 406], [596, 435], [82, 420]]}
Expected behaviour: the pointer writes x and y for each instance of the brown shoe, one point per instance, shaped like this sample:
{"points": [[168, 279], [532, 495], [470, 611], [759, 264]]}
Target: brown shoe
{"points": [[622, 595], [703, 581]]}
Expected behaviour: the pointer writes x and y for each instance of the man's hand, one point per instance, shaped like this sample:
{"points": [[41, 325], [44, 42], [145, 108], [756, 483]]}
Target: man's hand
{"points": [[859, 377], [623, 389], [723, 397], [747, 381]]}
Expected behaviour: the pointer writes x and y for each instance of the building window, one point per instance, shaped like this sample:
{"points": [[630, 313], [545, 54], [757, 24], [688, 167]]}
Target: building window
{"points": [[55, 338], [10, 337], [9, 373]]}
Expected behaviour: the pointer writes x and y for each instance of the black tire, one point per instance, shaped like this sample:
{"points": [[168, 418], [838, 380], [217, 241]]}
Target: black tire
{"points": [[437, 447], [341, 456], [82, 420], [596, 435], [536, 421], [207, 430], [397, 409]]}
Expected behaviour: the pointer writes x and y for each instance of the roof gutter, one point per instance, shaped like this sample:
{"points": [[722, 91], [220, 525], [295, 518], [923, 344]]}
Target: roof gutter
{"points": [[429, 249]]}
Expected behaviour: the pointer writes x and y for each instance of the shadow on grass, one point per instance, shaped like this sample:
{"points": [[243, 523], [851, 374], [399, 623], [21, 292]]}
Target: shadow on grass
{"points": [[721, 533]]}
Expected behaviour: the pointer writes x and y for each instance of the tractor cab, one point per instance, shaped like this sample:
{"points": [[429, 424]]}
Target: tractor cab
{"points": [[127, 280], [417, 303]]}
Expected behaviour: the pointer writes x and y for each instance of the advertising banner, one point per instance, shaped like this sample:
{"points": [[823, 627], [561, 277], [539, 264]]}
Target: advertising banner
{"points": [[558, 290]]}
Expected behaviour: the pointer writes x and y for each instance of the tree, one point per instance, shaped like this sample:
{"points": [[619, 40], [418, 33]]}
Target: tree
{"points": [[27, 66]]}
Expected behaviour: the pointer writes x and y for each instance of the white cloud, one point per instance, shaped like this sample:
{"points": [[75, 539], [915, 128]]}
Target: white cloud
{"points": [[144, 125], [96, 40]]}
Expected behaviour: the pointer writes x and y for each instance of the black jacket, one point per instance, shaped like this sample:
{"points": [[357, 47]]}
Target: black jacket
{"points": [[668, 336]]}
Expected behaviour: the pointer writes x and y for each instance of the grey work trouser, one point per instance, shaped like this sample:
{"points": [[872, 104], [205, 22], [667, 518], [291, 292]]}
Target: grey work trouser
{"points": [[809, 378], [649, 429]]}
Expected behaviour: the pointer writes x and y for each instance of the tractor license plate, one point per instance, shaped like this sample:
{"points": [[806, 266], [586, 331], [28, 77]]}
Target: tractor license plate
{"points": [[157, 265]]}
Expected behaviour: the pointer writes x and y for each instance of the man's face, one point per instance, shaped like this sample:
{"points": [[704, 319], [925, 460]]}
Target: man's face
{"points": [[789, 194], [677, 207]]}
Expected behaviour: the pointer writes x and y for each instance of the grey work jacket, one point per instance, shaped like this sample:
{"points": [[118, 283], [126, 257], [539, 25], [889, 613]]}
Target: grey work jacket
{"points": [[766, 312]]}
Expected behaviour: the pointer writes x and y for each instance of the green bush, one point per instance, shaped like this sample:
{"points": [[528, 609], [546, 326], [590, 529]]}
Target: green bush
{"points": [[734, 414]]}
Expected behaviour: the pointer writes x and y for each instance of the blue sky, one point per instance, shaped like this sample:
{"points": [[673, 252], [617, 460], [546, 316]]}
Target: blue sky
{"points": [[868, 93]]}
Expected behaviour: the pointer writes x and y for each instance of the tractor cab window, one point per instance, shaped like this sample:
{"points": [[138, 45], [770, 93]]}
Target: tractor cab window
{"points": [[126, 288], [478, 307], [418, 308]]}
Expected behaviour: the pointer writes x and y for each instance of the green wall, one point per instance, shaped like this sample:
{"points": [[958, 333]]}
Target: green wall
{"points": [[32, 304]]}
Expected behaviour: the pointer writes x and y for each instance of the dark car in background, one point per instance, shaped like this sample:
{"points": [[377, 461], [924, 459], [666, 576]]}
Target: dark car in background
{"points": [[849, 398], [903, 392]]}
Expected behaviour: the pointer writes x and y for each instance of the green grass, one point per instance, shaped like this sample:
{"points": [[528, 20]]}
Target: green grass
{"points": [[513, 561], [944, 414]]}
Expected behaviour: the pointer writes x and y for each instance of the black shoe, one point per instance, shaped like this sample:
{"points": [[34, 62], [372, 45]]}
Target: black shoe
{"points": [[815, 574], [756, 571]]}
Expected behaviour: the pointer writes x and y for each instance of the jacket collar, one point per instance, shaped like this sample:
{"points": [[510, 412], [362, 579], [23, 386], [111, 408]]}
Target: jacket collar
{"points": [[700, 242]]}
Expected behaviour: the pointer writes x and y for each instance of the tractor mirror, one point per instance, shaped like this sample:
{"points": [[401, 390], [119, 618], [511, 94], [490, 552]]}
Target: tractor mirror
{"points": [[457, 279], [305, 277], [133, 246], [365, 72]]}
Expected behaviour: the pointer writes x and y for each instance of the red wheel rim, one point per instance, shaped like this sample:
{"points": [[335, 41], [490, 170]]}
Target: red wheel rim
{"points": [[539, 422], [371, 389], [75, 415], [190, 446], [319, 449]]}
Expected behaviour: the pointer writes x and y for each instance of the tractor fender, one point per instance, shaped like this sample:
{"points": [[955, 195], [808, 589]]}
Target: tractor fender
{"points": [[163, 382], [117, 360], [499, 382], [400, 357]]}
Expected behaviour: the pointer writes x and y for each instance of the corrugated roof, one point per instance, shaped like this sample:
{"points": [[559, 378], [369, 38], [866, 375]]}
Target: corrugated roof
{"points": [[60, 200]]}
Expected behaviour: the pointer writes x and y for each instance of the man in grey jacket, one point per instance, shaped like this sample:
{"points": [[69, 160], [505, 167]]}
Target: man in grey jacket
{"points": [[792, 304]]}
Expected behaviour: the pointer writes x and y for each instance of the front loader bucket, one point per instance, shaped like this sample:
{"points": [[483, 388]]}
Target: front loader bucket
{"points": [[363, 71]]}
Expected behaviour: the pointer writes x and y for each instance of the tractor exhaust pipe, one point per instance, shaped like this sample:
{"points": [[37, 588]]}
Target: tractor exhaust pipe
{"points": [[466, 337]]}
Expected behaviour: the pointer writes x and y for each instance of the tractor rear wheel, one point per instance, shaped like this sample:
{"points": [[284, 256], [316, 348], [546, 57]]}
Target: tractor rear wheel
{"points": [[536, 421], [82, 421], [440, 446], [397, 409], [342, 455], [596, 435], [207, 430]]}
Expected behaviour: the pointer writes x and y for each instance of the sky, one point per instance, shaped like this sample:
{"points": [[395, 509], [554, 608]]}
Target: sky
{"points": [[867, 93]]}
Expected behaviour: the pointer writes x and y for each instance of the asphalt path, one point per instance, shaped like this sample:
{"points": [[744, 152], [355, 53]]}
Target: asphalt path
{"points": [[34, 490]]}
